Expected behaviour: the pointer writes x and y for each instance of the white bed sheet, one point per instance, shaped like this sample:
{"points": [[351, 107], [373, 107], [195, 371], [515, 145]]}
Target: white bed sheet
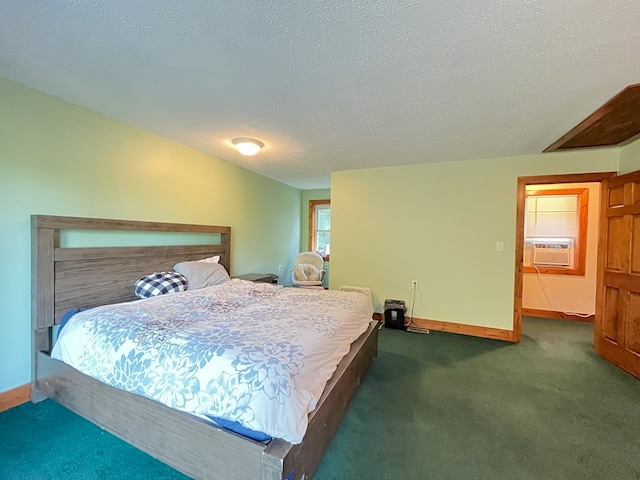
{"points": [[253, 353]]}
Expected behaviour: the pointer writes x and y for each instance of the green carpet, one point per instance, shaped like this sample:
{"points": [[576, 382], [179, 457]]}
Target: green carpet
{"points": [[48, 442], [436, 406], [444, 406]]}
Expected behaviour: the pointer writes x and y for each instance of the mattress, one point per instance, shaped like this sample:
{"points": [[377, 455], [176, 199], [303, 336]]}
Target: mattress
{"points": [[254, 354]]}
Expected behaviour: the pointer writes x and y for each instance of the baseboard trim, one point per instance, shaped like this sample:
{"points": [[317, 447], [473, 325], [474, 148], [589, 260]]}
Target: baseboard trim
{"points": [[537, 312], [459, 328], [15, 396]]}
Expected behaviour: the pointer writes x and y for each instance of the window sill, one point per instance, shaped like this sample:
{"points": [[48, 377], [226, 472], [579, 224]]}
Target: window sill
{"points": [[555, 271]]}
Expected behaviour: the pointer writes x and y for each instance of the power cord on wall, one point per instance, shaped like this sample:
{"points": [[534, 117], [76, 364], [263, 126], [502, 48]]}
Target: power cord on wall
{"points": [[410, 326], [409, 323], [548, 297]]}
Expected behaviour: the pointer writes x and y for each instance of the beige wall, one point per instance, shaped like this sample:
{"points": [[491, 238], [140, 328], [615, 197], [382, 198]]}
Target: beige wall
{"points": [[438, 223], [568, 293], [59, 159], [630, 157]]}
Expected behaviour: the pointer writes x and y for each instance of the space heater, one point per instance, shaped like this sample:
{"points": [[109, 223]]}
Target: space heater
{"points": [[394, 314]]}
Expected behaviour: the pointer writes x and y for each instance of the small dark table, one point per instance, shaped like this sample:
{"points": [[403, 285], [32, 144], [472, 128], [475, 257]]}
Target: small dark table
{"points": [[259, 277]]}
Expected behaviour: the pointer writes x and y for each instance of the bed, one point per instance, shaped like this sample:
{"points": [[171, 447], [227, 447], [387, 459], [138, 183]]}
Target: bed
{"points": [[67, 278]]}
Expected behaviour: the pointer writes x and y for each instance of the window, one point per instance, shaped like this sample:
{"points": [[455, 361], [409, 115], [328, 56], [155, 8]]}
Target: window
{"points": [[320, 227], [556, 231]]}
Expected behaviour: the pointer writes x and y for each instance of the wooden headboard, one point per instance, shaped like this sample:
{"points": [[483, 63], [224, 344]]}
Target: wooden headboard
{"points": [[65, 278]]}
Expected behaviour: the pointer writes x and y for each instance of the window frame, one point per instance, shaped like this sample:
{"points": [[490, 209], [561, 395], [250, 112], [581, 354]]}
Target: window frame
{"points": [[580, 246], [313, 204]]}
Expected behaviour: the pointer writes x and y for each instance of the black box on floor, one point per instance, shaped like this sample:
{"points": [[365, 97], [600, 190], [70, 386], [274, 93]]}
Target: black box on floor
{"points": [[394, 313]]}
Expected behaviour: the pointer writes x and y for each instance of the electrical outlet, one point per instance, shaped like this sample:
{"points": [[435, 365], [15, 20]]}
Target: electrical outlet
{"points": [[279, 268], [414, 284], [499, 246]]}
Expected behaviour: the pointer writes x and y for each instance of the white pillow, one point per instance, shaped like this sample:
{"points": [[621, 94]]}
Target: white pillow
{"points": [[202, 274], [215, 259]]}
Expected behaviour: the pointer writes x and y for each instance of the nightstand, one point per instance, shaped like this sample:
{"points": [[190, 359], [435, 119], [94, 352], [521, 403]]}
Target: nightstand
{"points": [[259, 277]]}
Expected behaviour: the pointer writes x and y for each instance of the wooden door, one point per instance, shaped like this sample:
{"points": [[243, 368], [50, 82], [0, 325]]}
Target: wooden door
{"points": [[617, 328]]}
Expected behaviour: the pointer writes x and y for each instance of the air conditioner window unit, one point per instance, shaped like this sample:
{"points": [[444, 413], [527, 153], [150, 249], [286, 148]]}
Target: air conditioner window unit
{"points": [[551, 252]]}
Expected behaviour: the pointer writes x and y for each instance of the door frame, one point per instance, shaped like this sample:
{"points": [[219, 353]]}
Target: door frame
{"points": [[596, 177]]}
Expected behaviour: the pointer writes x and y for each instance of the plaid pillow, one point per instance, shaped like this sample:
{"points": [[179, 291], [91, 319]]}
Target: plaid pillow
{"points": [[159, 284]]}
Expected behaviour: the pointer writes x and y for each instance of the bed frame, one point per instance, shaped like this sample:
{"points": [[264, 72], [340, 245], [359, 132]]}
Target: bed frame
{"points": [[64, 278]]}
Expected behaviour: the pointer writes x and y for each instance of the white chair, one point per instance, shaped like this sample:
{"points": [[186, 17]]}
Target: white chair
{"points": [[307, 270]]}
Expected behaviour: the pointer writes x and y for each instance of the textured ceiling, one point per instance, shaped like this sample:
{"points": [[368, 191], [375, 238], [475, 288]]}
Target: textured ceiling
{"points": [[331, 85]]}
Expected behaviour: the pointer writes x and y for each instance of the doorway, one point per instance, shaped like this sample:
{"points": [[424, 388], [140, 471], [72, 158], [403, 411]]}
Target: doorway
{"points": [[523, 182]]}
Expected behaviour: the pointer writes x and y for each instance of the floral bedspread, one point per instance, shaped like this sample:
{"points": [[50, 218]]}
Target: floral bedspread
{"points": [[253, 353]]}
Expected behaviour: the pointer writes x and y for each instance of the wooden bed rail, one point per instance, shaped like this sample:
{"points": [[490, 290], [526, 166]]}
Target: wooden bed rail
{"points": [[82, 223]]}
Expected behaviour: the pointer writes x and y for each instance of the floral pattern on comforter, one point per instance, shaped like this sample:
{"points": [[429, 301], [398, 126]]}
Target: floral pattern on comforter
{"points": [[253, 353]]}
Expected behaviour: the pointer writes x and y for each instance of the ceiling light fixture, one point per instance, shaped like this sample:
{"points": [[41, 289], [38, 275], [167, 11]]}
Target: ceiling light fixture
{"points": [[247, 146]]}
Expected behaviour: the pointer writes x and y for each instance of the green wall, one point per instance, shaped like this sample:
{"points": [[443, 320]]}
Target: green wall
{"points": [[320, 194], [438, 223], [630, 157], [307, 195], [60, 159]]}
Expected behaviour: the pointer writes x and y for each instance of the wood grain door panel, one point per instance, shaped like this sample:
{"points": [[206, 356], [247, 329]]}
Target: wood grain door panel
{"points": [[633, 323], [616, 246], [612, 326], [635, 245], [617, 327], [616, 197]]}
